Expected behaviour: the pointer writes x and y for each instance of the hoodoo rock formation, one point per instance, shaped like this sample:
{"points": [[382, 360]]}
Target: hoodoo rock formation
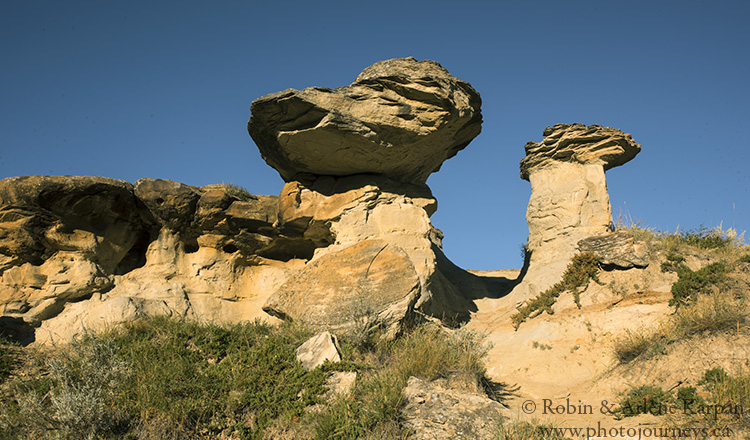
{"points": [[356, 160], [347, 243], [569, 200]]}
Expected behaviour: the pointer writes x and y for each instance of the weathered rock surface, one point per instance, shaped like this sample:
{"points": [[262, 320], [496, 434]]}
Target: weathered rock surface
{"points": [[369, 283], [318, 349], [400, 118], [569, 200], [356, 160], [336, 213], [617, 249], [435, 413], [81, 252], [577, 143]]}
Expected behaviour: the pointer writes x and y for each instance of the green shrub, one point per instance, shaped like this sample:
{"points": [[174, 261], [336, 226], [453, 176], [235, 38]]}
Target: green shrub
{"points": [[707, 239], [581, 269], [690, 284], [744, 259], [212, 378], [689, 398], [713, 376], [645, 399]]}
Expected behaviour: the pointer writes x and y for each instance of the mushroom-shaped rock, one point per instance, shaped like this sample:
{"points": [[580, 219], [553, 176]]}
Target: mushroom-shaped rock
{"points": [[569, 200], [578, 143], [401, 118]]}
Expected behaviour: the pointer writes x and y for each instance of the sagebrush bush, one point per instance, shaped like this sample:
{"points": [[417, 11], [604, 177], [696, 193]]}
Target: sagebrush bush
{"points": [[76, 399]]}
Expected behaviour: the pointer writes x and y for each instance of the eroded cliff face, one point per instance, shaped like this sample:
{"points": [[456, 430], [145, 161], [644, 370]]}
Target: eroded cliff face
{"points": [[347, 243], [87, 252]]}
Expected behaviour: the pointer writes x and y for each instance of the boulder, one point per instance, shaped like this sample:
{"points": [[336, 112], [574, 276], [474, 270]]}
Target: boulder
{"points": [[318, 349], [400, 118], [172, 204], [434, 413], [369, 284], [618, 250]]}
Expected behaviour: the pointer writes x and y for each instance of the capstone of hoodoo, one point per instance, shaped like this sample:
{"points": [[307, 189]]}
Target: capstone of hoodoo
{"points": [[569, 200], [400, 118]]}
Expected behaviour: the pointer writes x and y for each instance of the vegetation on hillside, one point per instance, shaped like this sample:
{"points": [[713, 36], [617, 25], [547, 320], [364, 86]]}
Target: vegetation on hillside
{"points": [[170, 379], [581, 269], [709, 299]]}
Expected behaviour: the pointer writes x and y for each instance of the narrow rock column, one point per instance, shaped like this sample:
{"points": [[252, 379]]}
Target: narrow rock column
{"points": [[569, 200]]}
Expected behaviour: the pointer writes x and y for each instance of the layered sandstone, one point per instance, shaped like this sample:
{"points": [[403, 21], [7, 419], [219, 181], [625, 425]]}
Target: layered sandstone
{"points": [[400, 118], [569, 200], [356, 160], [87, 252]]}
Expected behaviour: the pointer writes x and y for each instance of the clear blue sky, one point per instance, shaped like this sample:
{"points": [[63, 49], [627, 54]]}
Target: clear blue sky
{"points": [[131, 89]]}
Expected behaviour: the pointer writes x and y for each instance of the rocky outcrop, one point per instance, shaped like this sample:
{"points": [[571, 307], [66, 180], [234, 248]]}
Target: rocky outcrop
{"points": [[400, 118], [569, 200], [369, 283], [88, 252], [356, 159], [434, 412], [617, 250]]}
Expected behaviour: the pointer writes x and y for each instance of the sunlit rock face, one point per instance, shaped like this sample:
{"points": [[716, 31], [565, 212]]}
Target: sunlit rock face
{"points": [[569, 200], [400, 118], [356, 160], [80, 252]]}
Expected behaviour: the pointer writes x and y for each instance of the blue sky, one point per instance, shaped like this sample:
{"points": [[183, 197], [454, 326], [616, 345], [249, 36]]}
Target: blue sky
{"points": [[163, 89]]}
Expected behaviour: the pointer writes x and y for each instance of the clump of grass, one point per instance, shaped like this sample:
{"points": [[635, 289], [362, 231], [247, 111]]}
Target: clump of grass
{"points": [[75, 399], [426, 352], [633, 344], [714, 312], [7, 357], [581, 269], [645, 399], [238, 191]]}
